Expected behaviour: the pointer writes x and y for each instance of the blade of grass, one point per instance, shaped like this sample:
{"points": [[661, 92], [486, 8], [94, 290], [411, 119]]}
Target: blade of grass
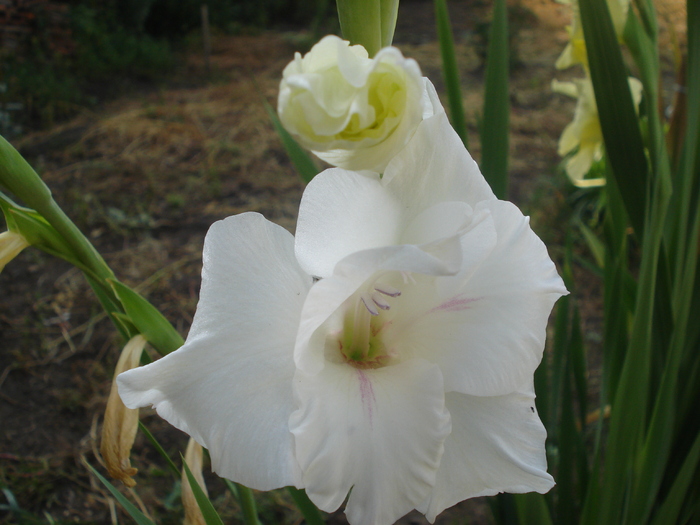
{"points": [[450, 71], [139, 517], [304, 165], [494, 127]]}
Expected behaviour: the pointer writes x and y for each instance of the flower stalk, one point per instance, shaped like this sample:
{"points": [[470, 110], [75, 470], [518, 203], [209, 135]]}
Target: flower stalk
{"points": [[370, 23]]}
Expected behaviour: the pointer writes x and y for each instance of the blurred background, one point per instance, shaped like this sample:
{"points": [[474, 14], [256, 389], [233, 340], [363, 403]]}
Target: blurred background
{"points": [[146, 119]]}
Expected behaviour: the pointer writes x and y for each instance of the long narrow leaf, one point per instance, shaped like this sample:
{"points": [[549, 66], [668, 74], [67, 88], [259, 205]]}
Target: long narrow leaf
{"points": [[246, 500], [311, 513], [618, 118], [450, 71], [673, 504], [494, 128], [149, 321], [532, 509], [211, 517], [159, 448], [139, 517]]}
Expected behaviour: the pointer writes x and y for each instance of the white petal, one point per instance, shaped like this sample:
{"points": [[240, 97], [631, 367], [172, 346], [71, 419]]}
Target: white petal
{"points": [[435, 167], [342, 212], [496, 445], [327, 295], [485, 326], [379, 432], [230, 385], [431, 100]]}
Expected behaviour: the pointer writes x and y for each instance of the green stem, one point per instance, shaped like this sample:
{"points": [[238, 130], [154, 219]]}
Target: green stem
{"points": [[305, 505], [18, 176], [247, 502]]}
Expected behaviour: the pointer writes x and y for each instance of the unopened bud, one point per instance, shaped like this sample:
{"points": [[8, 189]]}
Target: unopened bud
{"points": [[120, 423]]}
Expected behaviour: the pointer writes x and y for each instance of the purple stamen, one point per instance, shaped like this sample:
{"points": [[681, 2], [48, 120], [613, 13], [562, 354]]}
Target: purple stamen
{"points": [[369, 304], [380, 302], [387, 290]]}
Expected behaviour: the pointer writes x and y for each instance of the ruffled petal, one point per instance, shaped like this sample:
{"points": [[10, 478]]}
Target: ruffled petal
{"points": [[496, 445], [230, 385], [342, 212], [379, 432], [485, 326]]}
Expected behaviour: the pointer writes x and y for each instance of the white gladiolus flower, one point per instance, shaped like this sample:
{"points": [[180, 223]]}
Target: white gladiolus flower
{"points": [[352, 111], [389, 349], [583, 136]]}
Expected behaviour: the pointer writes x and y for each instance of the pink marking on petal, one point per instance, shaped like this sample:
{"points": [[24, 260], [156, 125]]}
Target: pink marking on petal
{"points": [[366, 395], [456, 304]]}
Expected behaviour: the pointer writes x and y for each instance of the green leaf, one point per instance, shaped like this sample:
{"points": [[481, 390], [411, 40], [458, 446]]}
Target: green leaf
{"points": [[671, 508], [494, 128], [618, 117], [450, 72], [148, 320], [594, 244], [246, 500], [160, 450], [304, 165], [310, 512], [211, 517], [532, 509], [139, 517]]}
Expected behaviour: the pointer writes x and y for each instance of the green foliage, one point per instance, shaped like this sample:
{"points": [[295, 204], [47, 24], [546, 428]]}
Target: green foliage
{"points": [[495, 123], [450, 71], [139, 517], [175, 18], [105, 48]]}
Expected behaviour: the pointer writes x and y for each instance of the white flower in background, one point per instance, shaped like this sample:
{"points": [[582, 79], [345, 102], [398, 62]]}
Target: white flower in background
{"points": [[583, 137], [575, 51], [11, 244], [389, 349], [352, 111]]}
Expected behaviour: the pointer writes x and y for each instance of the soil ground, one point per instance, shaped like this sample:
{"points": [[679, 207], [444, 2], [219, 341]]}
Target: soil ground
{"points": [[145, 177]]}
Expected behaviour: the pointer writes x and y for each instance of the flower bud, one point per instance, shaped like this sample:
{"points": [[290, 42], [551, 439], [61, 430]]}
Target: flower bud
{"points": [[120, 423], [354, 112], [193, 458]]}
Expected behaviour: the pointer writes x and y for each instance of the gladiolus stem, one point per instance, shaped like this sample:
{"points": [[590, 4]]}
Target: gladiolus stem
{"points": [[311, 513], [247, 502], [19, 177]]}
